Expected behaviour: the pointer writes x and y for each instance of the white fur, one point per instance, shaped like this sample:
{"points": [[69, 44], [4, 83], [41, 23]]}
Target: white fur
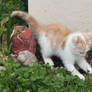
{"points": [[46, 49], [68, 56]]}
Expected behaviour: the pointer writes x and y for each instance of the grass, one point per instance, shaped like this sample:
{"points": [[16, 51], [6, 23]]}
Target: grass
{"points": [[39, 78]]}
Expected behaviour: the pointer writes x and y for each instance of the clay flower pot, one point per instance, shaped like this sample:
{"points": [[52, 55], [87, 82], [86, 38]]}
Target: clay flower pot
{"points": [[24, 40]]}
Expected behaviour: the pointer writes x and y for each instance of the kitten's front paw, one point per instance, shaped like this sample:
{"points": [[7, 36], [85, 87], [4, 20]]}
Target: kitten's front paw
{"points": [[81, 77]]}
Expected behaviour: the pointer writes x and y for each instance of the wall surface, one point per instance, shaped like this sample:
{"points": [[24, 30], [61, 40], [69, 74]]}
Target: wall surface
{"points": [[76, 14]]}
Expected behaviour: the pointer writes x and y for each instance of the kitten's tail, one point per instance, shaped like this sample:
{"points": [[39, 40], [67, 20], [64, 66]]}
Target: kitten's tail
{"points": [[29, 19]]}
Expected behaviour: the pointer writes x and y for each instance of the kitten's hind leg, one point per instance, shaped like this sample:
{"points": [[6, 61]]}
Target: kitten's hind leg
{"points": [[83, 64], [48, 60]]}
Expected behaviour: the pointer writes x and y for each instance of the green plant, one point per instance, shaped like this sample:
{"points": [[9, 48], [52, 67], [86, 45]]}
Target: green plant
{"points": [[7, 6], [40, 78], [7, 23]]}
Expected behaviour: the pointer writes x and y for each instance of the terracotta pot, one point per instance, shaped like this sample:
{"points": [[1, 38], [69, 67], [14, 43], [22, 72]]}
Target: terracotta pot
{"points": [[23, 41]]}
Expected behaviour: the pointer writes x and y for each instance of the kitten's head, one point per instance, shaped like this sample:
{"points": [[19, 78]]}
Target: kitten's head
{"points": [[81, 45]]}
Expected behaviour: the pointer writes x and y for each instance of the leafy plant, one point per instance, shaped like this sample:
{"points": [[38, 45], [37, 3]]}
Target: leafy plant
{"points": [[7, 23], [40, 78], [7, 6]]}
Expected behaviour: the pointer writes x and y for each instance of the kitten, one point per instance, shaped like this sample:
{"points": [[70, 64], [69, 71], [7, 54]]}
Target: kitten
{"points": [[57, 39]]}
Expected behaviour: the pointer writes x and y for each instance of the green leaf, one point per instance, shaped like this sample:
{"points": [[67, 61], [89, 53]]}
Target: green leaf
{"points": [[2, 29]]}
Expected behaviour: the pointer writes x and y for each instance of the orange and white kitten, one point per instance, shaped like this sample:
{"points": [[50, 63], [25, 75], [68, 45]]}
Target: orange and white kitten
{"points": [[57, 39]]}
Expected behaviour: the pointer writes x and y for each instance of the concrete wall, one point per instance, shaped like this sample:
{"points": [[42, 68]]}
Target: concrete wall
{"points": [[76, 14]]}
